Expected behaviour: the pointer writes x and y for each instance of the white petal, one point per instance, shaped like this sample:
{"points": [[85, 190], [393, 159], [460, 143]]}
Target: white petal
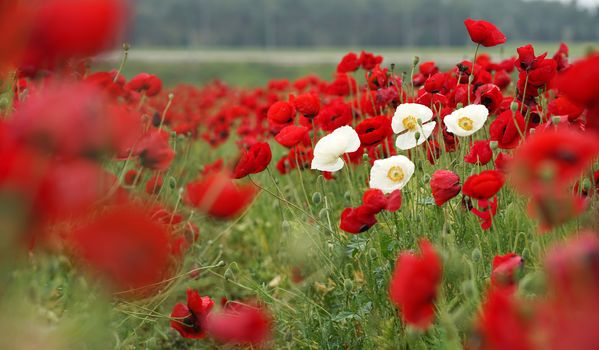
{"points": [[406, 140], [321, 165], [421, 112], [380, 169]]}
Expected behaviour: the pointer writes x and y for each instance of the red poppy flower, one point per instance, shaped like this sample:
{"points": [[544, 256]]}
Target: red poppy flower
{"points": [[343, 85], [154, 151], [507, 129], [64, 29], [480, 153], [428, 68], [435, 83], [307, 104], [485, 211], [368, 60], [527, 59], [376, 200], [133, 256], [502, 79], [240, 324], [484, 185], [501, 324], [132, 178], [484, 33], [561, 57], [148, 84], [190, 319], [502, 162], [504, 268], [334, 115], [552, 159], [357, 220], [372, 131], [253, 161], [567, 317], [580, 84], [291, 135], [281, 113], [414, 284], [74, 120], [349, 63], [445, 185], [490, 96], [562, 106], [217, 195]]}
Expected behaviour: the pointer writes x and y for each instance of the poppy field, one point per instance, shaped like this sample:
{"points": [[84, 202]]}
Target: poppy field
{"points": [[432, 208]]}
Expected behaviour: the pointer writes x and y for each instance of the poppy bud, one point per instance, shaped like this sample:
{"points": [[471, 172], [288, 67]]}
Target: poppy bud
{"points": [[415, 61], [514, 106], [493, 145], [476, 254], [316, 198], [468, 289]]}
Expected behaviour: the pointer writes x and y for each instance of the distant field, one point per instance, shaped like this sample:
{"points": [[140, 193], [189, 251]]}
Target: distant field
{"points": [[253, 67]]}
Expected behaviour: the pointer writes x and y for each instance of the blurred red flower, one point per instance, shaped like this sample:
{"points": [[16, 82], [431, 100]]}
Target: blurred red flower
{"points": [[348, 63], [414, 284], [504, 269], [148, 84], [240, 324], [131, 257], [154, 151], [217, 195], [64, 29]]}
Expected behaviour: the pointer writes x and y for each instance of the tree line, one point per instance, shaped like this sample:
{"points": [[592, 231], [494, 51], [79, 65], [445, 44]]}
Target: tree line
{"points": [[364, 23]]}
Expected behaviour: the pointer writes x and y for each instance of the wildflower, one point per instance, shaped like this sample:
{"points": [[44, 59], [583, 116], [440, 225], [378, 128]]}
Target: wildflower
{"points": [[411, 120], [349, 63], [484, 33], [217, 195], [391, 174], [480, 153], [329, 149], [291, 135], [504, 268], [240, 324], [190, 319], [445, 185], [307, 104], [253, 161], [372, 131], [414, 284], [507, 129], [154, 151], [149, 84], [135, 255], [466, 121], [281, 113], [484, 185]]}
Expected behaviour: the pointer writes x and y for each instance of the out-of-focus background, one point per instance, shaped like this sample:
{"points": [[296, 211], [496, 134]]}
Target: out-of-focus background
{"points": [[247, 42]]}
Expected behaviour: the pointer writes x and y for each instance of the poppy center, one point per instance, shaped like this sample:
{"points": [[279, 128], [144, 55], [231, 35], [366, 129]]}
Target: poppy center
{"points": [[410, 123], [466, 123], [395, 174]]}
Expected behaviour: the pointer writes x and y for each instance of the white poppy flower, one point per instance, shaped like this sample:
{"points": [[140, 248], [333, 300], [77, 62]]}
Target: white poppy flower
{"points": [[409, 119], [329, 149], [391, 174], [466, 121]]}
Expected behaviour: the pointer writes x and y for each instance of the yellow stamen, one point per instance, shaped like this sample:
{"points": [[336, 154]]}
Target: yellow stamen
{"points": [[410, 123], [466, 123], [395, 174]]}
